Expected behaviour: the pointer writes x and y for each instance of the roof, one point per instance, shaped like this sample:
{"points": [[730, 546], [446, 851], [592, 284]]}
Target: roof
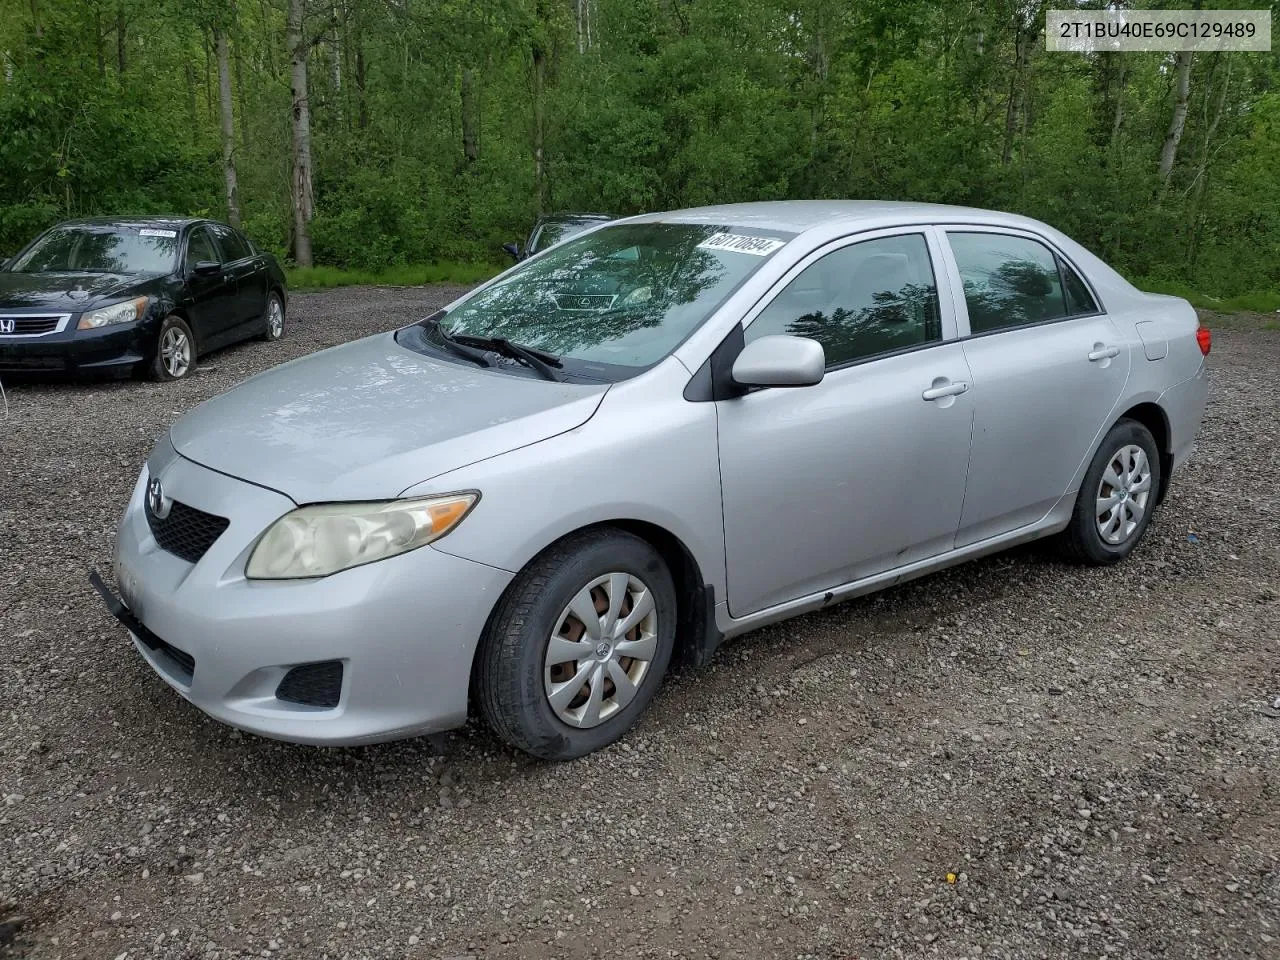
{"points": [[157, 221], [797, 216], [570, 216]]}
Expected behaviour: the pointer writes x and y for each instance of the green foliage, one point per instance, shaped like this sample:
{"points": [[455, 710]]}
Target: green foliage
{"points": [[670, 103]]}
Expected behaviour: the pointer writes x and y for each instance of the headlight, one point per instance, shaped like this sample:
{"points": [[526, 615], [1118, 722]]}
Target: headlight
{"points": [[126, 312], [320, 540]]}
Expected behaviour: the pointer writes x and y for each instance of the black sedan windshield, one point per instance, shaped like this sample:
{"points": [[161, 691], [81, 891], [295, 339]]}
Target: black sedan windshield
{"points": [[623, 296], [92, 249]]}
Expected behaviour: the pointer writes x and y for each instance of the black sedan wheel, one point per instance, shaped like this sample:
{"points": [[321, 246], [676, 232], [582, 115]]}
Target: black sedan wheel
{"points": [[275, 318], [175, 350]]}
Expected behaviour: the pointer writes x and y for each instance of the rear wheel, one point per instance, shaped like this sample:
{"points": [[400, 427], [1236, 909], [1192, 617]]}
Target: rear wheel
{"points": [[175, 350], [1113, 508], [275, 318], [578, 645]]}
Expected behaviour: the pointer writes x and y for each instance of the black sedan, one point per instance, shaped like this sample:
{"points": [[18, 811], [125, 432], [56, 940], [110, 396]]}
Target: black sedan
{"points": [[135, 296], [553, 228]]}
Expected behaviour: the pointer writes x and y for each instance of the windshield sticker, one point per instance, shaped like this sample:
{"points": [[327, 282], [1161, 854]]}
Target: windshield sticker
{"points": [[738, 243], [153, 232]]}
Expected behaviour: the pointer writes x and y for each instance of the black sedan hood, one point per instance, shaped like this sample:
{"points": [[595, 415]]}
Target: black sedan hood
{"points": [[67, 292]]}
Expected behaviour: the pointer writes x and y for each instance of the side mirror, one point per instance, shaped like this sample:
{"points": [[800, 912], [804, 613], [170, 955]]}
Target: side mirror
{"points": [[207, 268], [780, 361], [513, 249]]}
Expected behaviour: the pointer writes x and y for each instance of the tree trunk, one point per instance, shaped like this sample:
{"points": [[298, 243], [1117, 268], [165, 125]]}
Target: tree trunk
{"points": [[242, 99], [228, 126], [1182, 84], [362, 105], [1015, 89], [1122, 77], [97, 42], [301, 121], [122, 36], [539, 166], [35, 18], [470, 116], [190, 73]]}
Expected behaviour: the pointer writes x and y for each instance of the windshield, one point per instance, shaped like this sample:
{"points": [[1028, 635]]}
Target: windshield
{"points": [[90, 249], [622, 297]]}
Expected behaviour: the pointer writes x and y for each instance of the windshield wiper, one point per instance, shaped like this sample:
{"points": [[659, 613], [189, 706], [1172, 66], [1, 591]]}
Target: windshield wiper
{"points": [[461, 349], [541, 361]]}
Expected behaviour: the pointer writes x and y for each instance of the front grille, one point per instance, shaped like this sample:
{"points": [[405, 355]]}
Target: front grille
{"points": [[313, 684], [186, 532], [29, 326]]}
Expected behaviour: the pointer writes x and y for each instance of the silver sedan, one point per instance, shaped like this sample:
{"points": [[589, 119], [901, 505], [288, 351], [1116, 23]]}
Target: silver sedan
{"points": [[655, 435]]}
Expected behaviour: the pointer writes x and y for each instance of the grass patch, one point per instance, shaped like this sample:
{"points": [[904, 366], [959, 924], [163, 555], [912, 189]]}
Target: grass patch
{"points": [[1257, 302], [325, 278]]}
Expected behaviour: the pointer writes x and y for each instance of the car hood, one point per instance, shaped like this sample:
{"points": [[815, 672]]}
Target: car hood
{"points": [[367, 420], [67, 292]]}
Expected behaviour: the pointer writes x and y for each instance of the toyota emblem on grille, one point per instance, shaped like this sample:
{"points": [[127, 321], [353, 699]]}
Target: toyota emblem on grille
{"points": [[156, 500], [7, 324]]}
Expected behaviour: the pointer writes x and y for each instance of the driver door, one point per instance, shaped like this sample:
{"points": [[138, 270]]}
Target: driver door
{"points": [[865, 471], [213, 306]]}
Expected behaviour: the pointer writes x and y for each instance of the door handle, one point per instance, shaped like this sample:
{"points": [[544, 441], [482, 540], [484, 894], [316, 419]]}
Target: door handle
{"points": [[946, 390], [1100, 352]]}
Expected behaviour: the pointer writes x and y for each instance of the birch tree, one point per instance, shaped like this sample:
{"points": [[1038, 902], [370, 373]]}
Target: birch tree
{"points": [[300, 121], [227, 122]]}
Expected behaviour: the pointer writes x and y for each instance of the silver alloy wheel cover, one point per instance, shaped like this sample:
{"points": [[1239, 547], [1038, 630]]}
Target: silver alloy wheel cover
{"points": [[1123, 494], [275, 317], [175, 352], [613, 648]]}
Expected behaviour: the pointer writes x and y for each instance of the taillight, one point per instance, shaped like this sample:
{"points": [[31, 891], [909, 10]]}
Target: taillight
{"points": [[1205, 338]]}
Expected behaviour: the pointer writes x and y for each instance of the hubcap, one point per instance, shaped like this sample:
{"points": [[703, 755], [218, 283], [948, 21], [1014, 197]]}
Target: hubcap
{"points": [[175, 352], [601, 649], [275, 317], [1123, 493]]}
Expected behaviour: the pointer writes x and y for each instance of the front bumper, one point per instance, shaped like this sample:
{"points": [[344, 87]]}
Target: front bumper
{"points": [[107, 349], [404, 629]]}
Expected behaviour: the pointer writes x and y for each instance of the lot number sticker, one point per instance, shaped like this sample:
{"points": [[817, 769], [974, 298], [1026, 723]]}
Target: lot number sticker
{"points": [[152, 232], [737, 243]]}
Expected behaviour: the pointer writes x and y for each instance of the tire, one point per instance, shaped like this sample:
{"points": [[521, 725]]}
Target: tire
{"points": [[514, 680], [175, 330], [1096, 537], [274, 330]]}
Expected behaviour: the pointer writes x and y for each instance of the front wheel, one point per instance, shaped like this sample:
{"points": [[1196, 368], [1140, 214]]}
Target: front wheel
{"points": [[1113, 508], [578, 646], [175, 350]]}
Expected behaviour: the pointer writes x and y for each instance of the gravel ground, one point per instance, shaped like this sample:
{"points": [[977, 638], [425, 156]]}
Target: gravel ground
{"points": [[1014, 758]]}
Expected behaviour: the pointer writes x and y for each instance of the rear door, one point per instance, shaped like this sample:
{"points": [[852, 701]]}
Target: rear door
{"points": [[246, 270], [213, 309], [864, 471], [1049, 367]]}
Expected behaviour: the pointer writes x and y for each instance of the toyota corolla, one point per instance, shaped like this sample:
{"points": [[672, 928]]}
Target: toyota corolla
{"points": [[664, 432]]}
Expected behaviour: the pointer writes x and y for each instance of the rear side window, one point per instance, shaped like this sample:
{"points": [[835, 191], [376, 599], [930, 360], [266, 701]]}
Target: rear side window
{"points": [[1080, 301], [233, 244], [1008, 281], [865, 299]]}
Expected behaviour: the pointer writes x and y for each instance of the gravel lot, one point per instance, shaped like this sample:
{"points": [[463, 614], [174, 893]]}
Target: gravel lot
{"points": [[1093, 754]]}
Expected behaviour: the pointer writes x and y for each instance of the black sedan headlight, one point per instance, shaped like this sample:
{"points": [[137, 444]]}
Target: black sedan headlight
{"points": [[126, 312]]}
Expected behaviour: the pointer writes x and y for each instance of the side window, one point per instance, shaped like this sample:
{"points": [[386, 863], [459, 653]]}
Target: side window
{"points": [[231, 242], [861, 300], [200, 247], [1080, 301], [1008, 281]]}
